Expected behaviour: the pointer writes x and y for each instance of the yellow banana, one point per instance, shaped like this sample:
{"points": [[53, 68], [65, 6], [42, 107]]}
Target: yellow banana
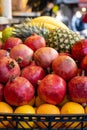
{"points": [[42, 24], [50, 21]]}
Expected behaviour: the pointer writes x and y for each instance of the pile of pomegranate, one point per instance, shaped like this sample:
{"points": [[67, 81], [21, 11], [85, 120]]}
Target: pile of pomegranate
{"points": [[30, 68]]}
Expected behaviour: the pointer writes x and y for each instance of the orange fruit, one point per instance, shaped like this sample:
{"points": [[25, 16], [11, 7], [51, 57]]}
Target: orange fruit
{"points": [[48, 109], [5, 108], [72, 108], [25, 109], [38, 101]]}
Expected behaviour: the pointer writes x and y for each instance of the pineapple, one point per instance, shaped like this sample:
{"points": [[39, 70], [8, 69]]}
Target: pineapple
{"points": [[59, 38], [24, 30], [62, 39]]}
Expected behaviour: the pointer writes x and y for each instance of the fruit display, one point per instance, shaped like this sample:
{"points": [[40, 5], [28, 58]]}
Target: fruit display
{"points": [[59, 37], [43, 77]]}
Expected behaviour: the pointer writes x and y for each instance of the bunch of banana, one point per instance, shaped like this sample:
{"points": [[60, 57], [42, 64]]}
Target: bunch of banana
{"points": [[48, 22]]}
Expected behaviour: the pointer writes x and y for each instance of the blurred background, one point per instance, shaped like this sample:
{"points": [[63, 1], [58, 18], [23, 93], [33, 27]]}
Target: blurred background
{"points": [[70, 12]]}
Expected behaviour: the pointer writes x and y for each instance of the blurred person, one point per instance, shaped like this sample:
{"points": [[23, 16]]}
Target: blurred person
{"points": [[77, 23]]}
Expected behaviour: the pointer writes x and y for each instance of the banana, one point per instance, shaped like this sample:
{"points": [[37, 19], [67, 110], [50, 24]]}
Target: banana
{"points": [[48, 20], [42, 24]]}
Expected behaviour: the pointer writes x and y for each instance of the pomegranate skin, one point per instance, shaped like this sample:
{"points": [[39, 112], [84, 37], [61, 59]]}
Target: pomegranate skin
{"points": [[65, 67], [77, 89], [84, 63], [52, 89], [11, 42], [3, 53], [18, 91], [35, 42], [8, 68], [1, 92], [22, 54], [44, 56], [79, 50], [33, 73]]}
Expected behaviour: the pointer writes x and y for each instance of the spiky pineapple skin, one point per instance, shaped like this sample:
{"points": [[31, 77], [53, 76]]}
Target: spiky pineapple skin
{"points": [[24, 30], [62, 40]]}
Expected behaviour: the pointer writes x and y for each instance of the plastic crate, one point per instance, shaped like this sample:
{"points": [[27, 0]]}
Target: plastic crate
{"points": [[51, 122]]}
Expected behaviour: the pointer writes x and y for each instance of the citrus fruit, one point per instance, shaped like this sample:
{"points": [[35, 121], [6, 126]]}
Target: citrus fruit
{"points": [[5, 108], [38, 101], [72, 108], [6, 33], [48, 109], [25, 109]]}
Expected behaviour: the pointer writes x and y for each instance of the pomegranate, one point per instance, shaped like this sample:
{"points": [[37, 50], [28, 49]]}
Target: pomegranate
{"points": [[11, 42], [44, 56], [22, 54], [79, 50], [1, 92], [65, 67], [84, 63], [35, 42], [77, 89], [3, 53], [52, 89], [18, 91], [33, 73], [8, 68]]}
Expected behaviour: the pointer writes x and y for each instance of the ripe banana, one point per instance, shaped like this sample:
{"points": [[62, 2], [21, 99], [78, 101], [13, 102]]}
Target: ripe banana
{"points": [[49, 22], [45, 25]]}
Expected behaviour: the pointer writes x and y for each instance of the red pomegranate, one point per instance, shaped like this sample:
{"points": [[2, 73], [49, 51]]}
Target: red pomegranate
{"points": [[65, 67], [35, 42], [44, 56], [33, 73], [77, 89], [22, 54], [52, 89], [18, 91], [79, 50], [8, 68], [84, 63], [3, 53], [11, 42], [1, 92]]}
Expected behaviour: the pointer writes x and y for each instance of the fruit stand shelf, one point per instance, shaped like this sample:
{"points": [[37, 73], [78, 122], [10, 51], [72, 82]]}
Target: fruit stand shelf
{"points": [[51, 122]]}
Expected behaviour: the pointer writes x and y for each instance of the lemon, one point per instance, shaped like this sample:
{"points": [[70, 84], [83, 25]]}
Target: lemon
{"points": [[6, 33]]}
